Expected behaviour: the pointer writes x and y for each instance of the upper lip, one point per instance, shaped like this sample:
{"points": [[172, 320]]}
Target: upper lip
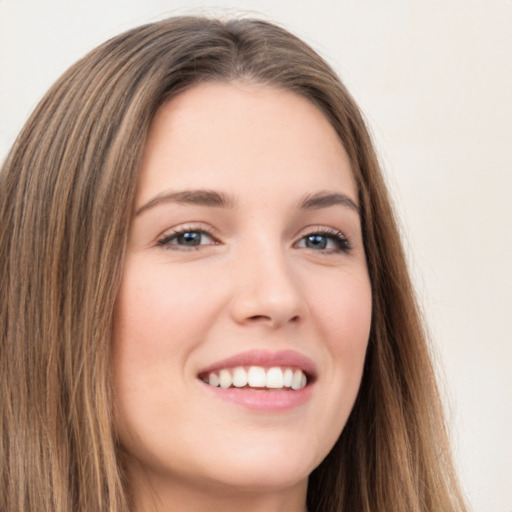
{"points": [[267, 359]]}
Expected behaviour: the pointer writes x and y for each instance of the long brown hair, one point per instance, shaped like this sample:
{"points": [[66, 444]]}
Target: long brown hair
{"points": [[66, 196]]}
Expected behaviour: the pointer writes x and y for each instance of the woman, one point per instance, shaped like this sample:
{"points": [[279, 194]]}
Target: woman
{"points": [[206, 302]]}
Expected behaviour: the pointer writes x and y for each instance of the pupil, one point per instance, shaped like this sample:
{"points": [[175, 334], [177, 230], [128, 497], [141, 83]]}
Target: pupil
{"points": [[190, 238], [316, 242]]}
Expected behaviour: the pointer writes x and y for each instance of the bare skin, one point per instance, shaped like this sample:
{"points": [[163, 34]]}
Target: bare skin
{"points": [[245, 251]]}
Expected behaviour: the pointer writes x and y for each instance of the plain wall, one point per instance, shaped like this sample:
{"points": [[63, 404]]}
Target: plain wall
{"points": [[434, 79]]}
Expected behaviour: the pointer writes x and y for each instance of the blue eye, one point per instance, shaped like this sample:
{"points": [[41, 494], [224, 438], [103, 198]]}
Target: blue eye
{"points": [[316, 242], [328, 241], [189, 238]]}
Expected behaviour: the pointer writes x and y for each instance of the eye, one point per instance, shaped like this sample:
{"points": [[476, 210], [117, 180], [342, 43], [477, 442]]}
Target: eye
{"points": [[186, 238], [325, 240]]}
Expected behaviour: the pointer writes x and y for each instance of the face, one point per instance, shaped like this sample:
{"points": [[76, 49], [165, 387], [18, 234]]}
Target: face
{"points": [[244, 311]]}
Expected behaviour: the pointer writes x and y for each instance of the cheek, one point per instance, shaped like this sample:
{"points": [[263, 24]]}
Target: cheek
{"points": [[158, 309], [343, 311], [162, 315], [155, 328], [149, 340], [343, 308]]}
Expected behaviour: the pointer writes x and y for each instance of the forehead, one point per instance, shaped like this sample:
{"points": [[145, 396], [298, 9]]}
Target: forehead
{"points": [[242, 136]]}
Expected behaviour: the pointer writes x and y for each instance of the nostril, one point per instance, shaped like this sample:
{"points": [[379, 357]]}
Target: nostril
{"points": [[260, 317], [272, 320]]}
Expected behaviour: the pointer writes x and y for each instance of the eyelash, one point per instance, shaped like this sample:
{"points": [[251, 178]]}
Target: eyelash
{"points": [[166, 240], [341, 242]]}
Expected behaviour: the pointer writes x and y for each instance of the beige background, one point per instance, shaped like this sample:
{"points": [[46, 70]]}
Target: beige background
{"points": [[434, 79]]}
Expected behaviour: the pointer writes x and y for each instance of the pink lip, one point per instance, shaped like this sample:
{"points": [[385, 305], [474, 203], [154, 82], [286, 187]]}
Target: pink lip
{"points": [[267, 359], [269, 401]]}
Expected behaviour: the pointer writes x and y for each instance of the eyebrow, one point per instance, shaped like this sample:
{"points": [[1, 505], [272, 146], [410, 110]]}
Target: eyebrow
{"points": [[326, 199], [210, 198]]}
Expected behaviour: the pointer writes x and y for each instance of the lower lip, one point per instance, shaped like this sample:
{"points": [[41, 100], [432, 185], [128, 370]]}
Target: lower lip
{"points": [[263, 400]]}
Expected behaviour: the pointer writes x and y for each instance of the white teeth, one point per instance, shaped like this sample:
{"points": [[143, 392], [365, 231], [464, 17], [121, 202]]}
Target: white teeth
{"points": [[275, 378], [239, 378], [297, 380], [258, 377], [213, 379], [287, 378], [225, 379]]}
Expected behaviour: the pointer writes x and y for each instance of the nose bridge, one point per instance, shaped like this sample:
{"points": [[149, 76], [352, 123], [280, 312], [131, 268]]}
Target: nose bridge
{"points": [[265, 286]]}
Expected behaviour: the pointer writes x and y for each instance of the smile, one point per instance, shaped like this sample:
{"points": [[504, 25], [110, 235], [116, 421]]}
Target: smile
{"points": [[261, 380], [257, 377]]}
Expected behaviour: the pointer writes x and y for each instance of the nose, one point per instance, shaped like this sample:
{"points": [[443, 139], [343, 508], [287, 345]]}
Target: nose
{"points": [[266, 291]]}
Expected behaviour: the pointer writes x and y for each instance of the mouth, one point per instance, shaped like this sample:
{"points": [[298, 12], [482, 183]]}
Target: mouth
{"points": [[258, 378], [262, 380]]}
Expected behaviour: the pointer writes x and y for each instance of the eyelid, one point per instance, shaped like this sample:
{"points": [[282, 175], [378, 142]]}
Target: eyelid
{"points": [[342, 240], [170, 233]]}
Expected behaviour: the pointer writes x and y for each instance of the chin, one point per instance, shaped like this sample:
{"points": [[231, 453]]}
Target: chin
{"points": [[265, 466], [260, 478]]}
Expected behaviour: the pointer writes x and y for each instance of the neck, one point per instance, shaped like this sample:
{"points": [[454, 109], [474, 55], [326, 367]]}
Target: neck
{"points": [[180, 496]]}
